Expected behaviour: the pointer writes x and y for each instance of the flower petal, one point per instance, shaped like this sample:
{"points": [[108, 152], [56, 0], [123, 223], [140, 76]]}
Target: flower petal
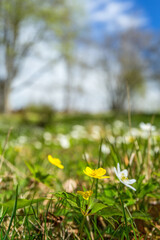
{"points": [[103, 177], [124, 172], [60, 166], [88, 171], [55, 161], [115, 170], [80, 192], [100, 171], [127, 185], [118, 168], [130, 181]]}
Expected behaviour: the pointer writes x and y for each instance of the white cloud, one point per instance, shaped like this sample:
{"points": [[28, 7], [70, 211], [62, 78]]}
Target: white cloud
{"points": [[115, 15], [125, 21], [91, 5], [111, 11]]}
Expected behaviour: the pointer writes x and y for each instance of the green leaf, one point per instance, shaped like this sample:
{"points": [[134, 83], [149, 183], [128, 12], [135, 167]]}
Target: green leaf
{"points": [[139, 182], [157, 174], [147, 188], [21, 203], [97, 207], [154, 195], [69, 197], [141, 215], [130, 202], [110, 211], [30, 167]]}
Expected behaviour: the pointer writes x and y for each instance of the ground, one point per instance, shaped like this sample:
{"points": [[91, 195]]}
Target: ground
{"points": [[40, 201]]}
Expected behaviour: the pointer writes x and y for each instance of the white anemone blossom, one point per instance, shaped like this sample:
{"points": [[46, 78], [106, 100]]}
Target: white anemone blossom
{"points": [[123, 177], [147, 127]]}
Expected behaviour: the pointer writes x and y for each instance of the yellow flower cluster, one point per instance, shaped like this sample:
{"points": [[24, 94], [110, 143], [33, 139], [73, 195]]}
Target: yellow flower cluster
{"points": [[55, 161], [86, 194], [97, 173]]}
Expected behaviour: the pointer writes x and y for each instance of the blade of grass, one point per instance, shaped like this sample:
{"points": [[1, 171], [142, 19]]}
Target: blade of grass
{"points": [[95, 225], [3, 215], [13, 214], [99, 159], [126, 227], [4, 147]]}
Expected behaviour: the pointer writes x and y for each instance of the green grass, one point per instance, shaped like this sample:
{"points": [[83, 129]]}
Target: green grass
{"points": [[46, 204]]}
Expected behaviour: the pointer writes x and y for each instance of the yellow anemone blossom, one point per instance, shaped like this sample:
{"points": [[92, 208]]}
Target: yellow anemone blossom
{"points": [[55, 161], [97, 173], [86, 194]]}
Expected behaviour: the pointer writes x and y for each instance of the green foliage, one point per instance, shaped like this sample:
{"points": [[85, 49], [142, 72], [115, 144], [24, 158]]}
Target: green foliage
{"points": [[21, 203], [113, 210]]}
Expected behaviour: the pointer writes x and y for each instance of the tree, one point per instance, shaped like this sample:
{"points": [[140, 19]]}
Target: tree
{"points": [[123, 65], [41, 20]]}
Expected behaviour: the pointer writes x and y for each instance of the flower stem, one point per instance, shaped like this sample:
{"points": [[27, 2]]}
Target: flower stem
{"points": [[82, 225], [99, 159], [125, 219]]}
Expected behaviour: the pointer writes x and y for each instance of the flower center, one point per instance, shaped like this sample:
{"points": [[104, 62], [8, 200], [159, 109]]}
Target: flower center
{"points": [[123, 177], [93, 173], [86, 195]]}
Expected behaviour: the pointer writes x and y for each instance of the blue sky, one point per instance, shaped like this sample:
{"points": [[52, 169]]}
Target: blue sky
{"points": [[151, 9], [113, 15]]}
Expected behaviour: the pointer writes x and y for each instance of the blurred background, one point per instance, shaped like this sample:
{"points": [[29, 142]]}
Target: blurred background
{"points": [[80, 55]]}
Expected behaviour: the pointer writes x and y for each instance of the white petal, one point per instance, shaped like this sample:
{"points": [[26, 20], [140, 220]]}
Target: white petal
{"points": [[131, 181], [127, 185], [118, 168], [115, 170], [124, 172]]}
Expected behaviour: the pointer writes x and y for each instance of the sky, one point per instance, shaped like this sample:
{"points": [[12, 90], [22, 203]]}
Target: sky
{"points": [[125, 13], [102, 16], [151, 9]]}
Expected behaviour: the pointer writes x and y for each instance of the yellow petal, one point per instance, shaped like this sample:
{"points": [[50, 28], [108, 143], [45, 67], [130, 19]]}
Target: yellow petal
{"points": [[104, 177], [80, 192], [88, 171], [100, 171], [85, 197], [86, 194], [60, 166], [90, 192], [55, 161]]}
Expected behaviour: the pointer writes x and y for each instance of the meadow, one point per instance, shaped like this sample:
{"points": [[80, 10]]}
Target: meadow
{"points": [[79, 192]]}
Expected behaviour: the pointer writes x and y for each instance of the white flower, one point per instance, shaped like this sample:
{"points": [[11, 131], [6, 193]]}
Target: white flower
{"points": [[38, 145], [78, 132], [96, 132], [47, 136], [63, 140], [22, 139], [123, 177], [147, 127], [105, 149]]}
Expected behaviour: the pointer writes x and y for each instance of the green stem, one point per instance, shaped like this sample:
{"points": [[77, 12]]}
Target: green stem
{"points": [[126, 227], [86, 212], [99, 159], [82, 225]]}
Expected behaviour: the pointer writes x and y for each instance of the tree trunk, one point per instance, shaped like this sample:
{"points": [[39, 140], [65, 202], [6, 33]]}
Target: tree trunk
{"points": [[67, 94], [4, 96]]}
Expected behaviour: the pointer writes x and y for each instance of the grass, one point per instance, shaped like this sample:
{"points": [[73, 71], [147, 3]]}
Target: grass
{"points": [[45, 205]]}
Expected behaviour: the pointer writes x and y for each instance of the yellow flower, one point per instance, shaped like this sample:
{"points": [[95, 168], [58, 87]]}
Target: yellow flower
{"points": [[55, 161], [18, 148], [86, 194], [97, 173]]}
